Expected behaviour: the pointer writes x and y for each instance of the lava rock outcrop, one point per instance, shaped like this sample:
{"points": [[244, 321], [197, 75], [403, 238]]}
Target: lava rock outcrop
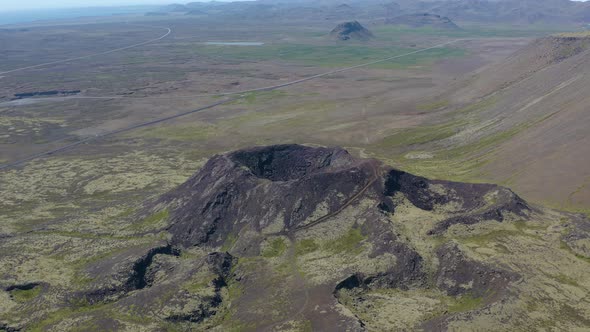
{"points": [[259, 186], [351, 31], [238, 231], [287, 184], [241, 200]]}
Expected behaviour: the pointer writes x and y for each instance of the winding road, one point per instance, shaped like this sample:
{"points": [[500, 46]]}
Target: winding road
{"points": [[240, 95]]}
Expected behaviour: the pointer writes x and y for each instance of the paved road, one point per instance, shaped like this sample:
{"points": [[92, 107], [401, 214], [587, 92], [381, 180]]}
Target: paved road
{"points": [[168, 32], [240, 95]]}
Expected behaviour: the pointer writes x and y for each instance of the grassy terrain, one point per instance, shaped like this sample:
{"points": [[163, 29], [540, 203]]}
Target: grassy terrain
{"points": [[349, 242], [276, 248], [25, 295], [329, 56]]}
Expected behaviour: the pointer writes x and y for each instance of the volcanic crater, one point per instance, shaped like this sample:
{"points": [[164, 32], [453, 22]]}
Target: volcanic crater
{"points": [[242, 203], [310, 230]]}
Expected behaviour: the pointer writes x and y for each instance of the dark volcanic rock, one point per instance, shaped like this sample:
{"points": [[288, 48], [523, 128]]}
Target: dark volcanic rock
{"points": [[351, 30], [8, 328], [46, 93], [286, 163], [27, 286], [286, 184], [459, 275], [577, 236], [248, 200], [220, 264], [125, 272], [508, 203], [260, 186], [407, 272], [415, 188], [477, 202], [283, 186]]}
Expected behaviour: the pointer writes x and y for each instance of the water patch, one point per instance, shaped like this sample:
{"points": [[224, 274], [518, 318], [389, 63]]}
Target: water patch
{"points": [[30, 101]]}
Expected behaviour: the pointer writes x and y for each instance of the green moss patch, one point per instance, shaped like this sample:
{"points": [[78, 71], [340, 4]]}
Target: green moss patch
{"points": [[276, 248], [152, 221], [349, 242], [25, 295], [229, 242], [306, 246], [466, 303]]}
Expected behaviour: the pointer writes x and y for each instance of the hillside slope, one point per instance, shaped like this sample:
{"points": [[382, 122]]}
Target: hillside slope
{"points": [[422, 20], [541, 95], [523, 123]]}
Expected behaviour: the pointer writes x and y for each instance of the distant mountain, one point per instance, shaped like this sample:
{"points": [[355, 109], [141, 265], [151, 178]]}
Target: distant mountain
{"points": [[523, 11], [175, 8], [514, 11], [423, 20], [502, 11]]}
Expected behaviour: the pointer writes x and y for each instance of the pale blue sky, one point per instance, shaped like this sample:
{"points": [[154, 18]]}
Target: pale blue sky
{"points": [[6, 5]]}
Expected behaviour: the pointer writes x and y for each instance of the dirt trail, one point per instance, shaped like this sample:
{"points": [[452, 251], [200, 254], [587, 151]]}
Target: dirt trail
{"points": [[298, 284], [346, 204]]}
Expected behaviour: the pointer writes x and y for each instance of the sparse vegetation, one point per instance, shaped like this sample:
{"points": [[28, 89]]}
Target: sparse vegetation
{"points": [[306, 246], [465, 303], [330, 56], [422, 135], [229, 242], [347, 243], [250, 98], [433, 106], [276, 248], [195, 132], [153, 221], [25, 295]]}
